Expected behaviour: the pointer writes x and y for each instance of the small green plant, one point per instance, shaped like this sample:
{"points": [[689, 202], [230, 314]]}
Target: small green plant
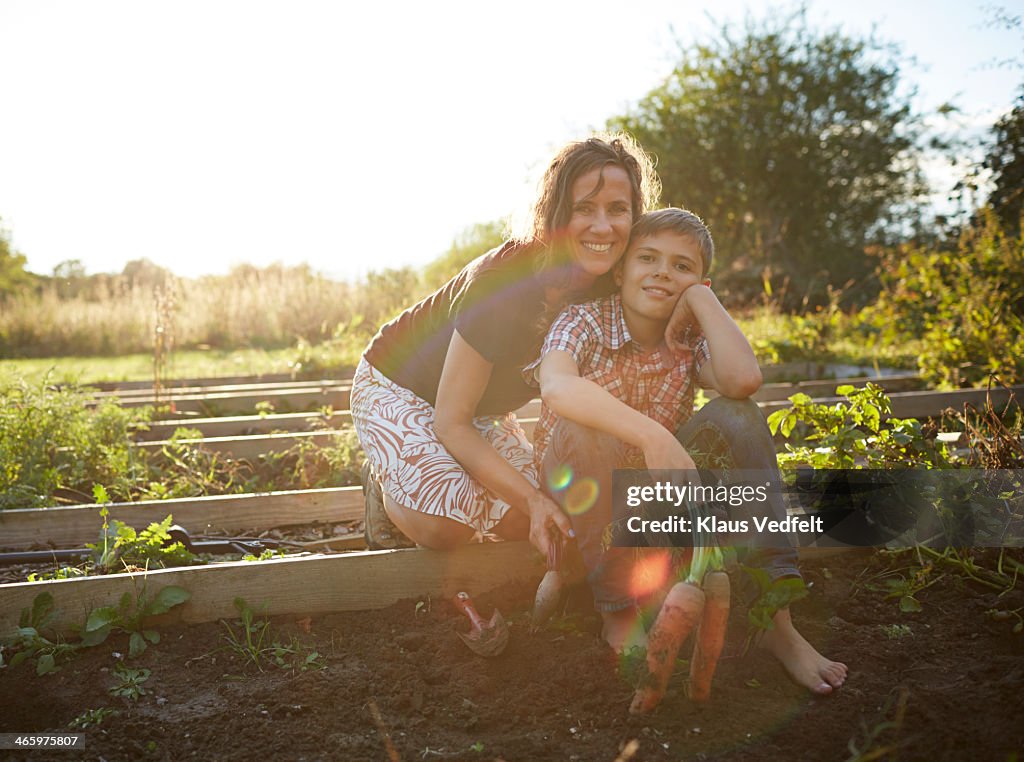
{"points": [[252, 641], [130, 682], [773, 596], [30, 643], [129, 616], [91, 718], [896, 631], [478, 747]]}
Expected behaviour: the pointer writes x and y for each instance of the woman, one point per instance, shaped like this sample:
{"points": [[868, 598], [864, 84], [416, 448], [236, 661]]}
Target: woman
{"points": [[433, 393]]}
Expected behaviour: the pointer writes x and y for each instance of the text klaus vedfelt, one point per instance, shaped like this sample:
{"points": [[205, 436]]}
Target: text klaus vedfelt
{"points": [[665, 493]]}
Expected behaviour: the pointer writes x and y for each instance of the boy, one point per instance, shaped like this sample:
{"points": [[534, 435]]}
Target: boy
{"points": [[614, 393]]}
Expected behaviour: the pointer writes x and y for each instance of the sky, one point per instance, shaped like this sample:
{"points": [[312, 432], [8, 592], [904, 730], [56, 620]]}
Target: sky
{"points": [[360, 136]]}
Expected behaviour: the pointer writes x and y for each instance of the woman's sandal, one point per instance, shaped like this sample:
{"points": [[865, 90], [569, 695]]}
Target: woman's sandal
{"points": [[380, 531]]}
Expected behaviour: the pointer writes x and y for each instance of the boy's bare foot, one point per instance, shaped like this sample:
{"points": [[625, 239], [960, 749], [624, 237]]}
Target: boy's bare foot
{"points": [[801, 660], [623, 630]]}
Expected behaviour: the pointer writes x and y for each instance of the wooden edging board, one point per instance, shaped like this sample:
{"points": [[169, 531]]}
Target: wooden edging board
{"points": [[309, 585], [244, 425], [335, 396], [927, 404], [358, 581], [75, 525], [924, 404]]}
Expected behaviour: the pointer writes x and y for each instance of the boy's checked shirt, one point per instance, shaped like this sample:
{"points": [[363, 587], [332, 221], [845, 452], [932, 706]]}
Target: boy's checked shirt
{"points": [[655, 383]]}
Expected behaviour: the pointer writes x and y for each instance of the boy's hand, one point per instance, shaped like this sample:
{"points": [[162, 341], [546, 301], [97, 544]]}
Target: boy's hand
{"points": [[683, 325], [546, 518]]}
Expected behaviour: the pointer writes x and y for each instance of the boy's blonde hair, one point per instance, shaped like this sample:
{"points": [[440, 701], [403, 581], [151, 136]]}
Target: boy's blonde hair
{"points": [[680, 221]]}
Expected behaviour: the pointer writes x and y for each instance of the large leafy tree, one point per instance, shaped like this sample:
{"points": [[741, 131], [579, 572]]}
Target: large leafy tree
{"points": [[797, 147], [1006, 161]]}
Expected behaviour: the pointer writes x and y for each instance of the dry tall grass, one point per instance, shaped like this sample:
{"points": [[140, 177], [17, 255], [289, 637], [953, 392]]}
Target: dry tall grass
{"points": [[266, 308]]}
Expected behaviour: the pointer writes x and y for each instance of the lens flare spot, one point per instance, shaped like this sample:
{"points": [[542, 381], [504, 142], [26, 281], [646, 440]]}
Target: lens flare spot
{"points": [[560, 478], [581, 496], [650, 572]]}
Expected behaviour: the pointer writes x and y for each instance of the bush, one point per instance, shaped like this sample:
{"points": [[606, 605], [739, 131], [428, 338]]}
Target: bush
{"points": [[966, 307]]}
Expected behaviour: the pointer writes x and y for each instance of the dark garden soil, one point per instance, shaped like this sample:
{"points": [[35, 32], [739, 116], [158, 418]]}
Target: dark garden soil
{"points": [[398, 683]]}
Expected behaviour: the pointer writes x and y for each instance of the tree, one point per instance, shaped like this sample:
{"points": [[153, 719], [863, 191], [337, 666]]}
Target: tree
{"points": [[13, 275], [795, 146], [1005, 159], [470, 244]]}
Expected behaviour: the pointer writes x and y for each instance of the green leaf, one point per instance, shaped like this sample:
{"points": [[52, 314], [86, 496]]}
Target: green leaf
{"points": [[46, 664], [18, 658], [775, 419], [845, 390], [42, 608], [909, 604], [99, 492], [167, 598], [152, 636], [136, 645], [94, 638], [101, 617]]}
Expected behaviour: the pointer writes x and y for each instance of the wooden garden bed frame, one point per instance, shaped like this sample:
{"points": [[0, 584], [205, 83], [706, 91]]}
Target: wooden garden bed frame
{"points": [[309, 585], [241, 425], [926, 404], [75, 525]]}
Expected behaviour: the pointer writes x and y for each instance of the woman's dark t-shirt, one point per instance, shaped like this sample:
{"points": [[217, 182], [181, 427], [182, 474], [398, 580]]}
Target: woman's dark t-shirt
{"points": [[495, 303]]}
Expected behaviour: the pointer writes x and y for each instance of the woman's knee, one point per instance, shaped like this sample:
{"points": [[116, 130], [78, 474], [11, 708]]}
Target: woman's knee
{"points": [[434, 532]]}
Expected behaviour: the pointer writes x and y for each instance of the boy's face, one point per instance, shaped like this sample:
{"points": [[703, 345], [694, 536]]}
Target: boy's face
{"points": [[655, 271]]}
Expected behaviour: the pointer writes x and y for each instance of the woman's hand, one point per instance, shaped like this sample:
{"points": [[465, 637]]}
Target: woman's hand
{"points": [[546, 519], [665, 452]]}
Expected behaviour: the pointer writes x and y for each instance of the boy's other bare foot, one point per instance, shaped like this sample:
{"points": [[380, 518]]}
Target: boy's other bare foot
{"points": [[800, 659], [623, 630]]}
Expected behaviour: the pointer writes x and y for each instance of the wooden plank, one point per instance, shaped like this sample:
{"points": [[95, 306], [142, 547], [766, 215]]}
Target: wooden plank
{"points": [[927, 404], [252, 446], [312, 585], [243, 425], [147, 392], [230, 403], [891, 384], [75, 525], [924, 404], [266, 378]]}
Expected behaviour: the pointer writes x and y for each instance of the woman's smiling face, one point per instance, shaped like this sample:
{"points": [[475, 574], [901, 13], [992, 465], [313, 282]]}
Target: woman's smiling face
{"points": [[602, 215]]}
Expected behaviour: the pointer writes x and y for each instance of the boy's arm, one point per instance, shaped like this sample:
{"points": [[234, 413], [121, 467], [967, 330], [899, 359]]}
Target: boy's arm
{"points": [[585, 402], [733, 371]]}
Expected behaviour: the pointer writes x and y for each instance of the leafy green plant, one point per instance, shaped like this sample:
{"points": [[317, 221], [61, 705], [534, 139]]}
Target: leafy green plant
{"points": [[130, 682], [30, 643], [773, 596], [129, 617], [966, 307], [91, 718], [51, 440], [151, 547], [854, 434]]}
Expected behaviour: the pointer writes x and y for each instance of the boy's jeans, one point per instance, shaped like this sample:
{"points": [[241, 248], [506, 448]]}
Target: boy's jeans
{"points": [[731, 429]]}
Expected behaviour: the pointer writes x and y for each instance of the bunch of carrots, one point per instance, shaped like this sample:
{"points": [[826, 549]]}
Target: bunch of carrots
{"points": [[701, 601]]}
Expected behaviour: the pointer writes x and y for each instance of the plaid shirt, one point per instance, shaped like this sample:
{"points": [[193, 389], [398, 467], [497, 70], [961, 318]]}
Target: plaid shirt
{"points": [[654, 383]]}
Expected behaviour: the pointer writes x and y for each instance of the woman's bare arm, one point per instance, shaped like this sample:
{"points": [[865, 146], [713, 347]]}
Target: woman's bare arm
{"points": [[463, 381]]}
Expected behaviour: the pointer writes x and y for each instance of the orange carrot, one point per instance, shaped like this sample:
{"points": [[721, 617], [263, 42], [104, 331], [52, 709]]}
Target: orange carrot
{"points": [[710, 635], [679, 614]]}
